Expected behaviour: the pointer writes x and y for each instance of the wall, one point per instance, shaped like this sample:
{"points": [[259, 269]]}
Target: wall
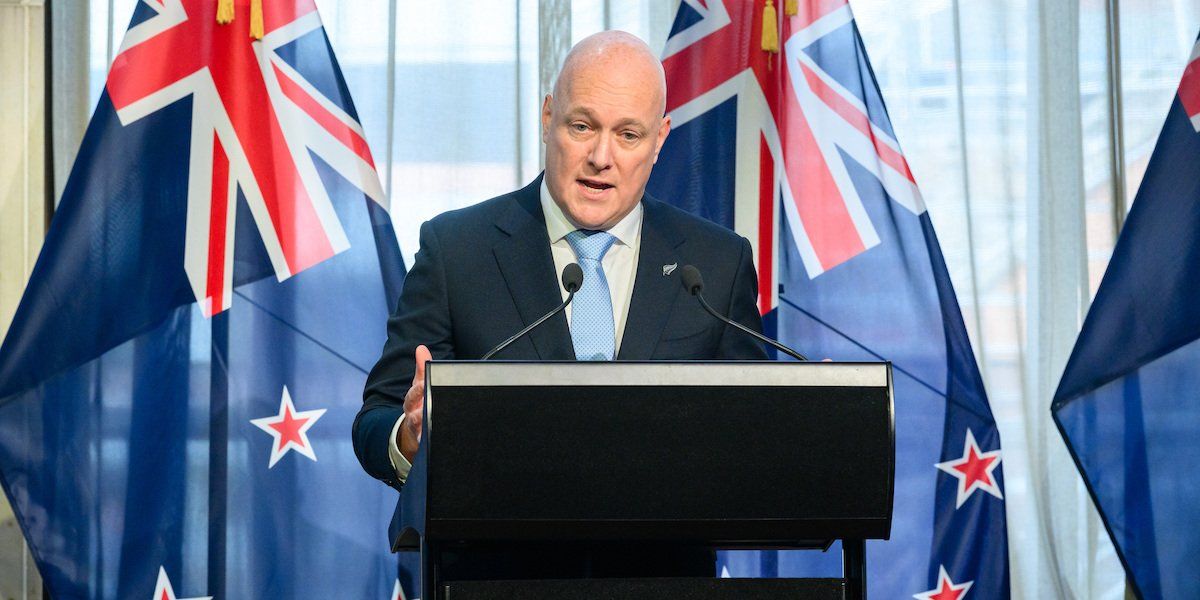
{"points": [[22, 218]]}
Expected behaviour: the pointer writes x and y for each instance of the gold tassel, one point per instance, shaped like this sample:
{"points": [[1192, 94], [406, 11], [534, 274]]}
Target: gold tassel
{"points": [[770, 28], [791, 8], [256, 19], [224, 12]]}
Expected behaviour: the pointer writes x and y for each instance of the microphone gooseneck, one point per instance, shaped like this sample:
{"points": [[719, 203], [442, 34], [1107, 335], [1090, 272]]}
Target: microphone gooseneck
{"points": [[572, 280], [694, 284]]}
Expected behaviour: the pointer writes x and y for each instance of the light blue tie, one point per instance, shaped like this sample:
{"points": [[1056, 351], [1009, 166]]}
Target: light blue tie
{"points": [[592, 330]]}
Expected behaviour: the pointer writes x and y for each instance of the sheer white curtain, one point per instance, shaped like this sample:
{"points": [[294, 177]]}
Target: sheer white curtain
{"points": [[1003, 108], [1076, 558]]}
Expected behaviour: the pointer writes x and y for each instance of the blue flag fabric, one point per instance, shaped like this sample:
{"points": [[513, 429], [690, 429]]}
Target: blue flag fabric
{"points": [[1127, 405], [178, 385], [791, 146]]}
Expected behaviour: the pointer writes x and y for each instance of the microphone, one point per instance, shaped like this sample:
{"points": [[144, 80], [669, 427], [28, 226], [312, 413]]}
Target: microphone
{"points": [[572, 280], [694, 284]]}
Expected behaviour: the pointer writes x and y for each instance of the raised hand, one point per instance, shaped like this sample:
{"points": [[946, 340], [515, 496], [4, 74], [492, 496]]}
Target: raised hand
{"points": [[409, 436]]}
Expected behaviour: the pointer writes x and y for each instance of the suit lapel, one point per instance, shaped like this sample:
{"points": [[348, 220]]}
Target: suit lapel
{"points": [[528, 268], [654, 294]]}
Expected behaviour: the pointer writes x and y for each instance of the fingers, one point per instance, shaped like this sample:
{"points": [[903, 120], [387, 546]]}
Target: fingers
{"points": [[423, 355], [414, 423], [415, 398], [414, 404]]}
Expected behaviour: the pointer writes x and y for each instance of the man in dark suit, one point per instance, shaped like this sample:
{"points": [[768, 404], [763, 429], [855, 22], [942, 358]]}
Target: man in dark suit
{"points": [[484, 272]]}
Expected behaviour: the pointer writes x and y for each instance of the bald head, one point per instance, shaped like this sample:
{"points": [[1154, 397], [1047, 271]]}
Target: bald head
{"points": [[610, 51], [603, 127]]}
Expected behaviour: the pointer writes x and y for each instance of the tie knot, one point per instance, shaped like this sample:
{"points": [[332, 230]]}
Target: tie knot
{"points": [[589, 244]]}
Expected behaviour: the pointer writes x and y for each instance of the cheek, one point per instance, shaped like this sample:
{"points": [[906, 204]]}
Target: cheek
{"points": [[559, 159], [638, 165], [574, 152]]}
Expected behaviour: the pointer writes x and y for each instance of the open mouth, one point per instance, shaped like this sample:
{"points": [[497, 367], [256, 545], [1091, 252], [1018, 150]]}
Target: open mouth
{"points": [[598, 186]]}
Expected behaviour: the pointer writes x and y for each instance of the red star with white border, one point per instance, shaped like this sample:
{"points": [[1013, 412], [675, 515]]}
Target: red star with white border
{"points": [[398, 592], [945, 589], [289, 429], [163, 590], [973, 470]]}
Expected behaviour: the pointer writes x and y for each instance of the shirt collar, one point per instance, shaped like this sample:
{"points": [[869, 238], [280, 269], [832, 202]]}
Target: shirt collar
{"points": [[558, 225]]}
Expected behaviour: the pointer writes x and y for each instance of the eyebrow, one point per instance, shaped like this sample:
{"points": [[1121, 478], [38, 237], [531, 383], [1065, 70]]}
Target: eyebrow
{"points": [[588, 114], [628, 121]]}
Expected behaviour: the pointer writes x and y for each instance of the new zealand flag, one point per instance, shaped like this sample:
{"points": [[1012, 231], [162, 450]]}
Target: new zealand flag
{"points": [[1128, 405], [791, 146], [178, 386]]}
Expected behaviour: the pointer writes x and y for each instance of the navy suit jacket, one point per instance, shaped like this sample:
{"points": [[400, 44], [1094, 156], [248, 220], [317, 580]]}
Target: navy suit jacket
{"points": [[486, 271]]}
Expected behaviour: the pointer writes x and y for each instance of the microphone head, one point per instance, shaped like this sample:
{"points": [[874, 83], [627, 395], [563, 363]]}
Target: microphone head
{"points": [[692, 281], [572, 277]]}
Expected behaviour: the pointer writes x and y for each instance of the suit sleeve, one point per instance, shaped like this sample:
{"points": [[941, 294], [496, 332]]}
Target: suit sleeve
{"points": [[743, 308], [422, 317]]}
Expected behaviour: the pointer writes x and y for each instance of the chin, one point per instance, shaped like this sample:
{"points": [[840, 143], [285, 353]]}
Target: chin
{"points": [[591, 223], [587, 219]]}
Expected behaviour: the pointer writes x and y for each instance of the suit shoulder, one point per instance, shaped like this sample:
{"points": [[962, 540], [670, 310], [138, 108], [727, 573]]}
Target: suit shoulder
{"points": [[482, 213], [695, 227]]}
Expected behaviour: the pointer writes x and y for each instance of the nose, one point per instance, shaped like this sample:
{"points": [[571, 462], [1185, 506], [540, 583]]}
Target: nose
{"points": [[601, 155]]}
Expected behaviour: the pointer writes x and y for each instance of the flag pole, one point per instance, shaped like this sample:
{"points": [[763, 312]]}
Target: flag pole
{"points": [[48, 104], [48, 174], [1116, 111]]}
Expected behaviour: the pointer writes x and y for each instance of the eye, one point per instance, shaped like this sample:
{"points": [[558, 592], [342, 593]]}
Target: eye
{"points": [[630, 136], [579, 127]]}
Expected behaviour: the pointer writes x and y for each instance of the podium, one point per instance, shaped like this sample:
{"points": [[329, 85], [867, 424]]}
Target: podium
{"points": [[714, 455]]}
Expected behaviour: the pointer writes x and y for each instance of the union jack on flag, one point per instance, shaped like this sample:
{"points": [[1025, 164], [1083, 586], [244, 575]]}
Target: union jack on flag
{"points": [[790, 145], [255, 119], [220, 263]]}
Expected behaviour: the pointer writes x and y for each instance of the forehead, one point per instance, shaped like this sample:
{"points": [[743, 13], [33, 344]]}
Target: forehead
{"points": [[611, 89]]}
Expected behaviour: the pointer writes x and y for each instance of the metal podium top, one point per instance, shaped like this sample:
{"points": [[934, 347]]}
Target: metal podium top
{"points": [[517, 373]]}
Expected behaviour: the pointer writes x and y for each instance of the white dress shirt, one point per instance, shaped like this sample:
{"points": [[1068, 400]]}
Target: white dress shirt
{"points": [[620, 269], [620, 262]]}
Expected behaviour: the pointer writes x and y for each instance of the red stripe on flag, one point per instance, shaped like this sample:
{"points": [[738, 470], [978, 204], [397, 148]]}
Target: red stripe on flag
{"points": [[857, 119], [294, 218], [1189, 88], [323, 117], [218, 219], [819, 202], [152, 65], [810, 11], [766, 225]]}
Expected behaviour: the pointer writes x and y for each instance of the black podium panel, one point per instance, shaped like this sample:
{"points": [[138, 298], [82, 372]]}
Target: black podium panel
{"points": [[592, 462], [647, 589], [746, 465]]}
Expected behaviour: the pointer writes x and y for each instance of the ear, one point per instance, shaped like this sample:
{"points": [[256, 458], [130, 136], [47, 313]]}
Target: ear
{"points": [[663, 131], [546, 106]]}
